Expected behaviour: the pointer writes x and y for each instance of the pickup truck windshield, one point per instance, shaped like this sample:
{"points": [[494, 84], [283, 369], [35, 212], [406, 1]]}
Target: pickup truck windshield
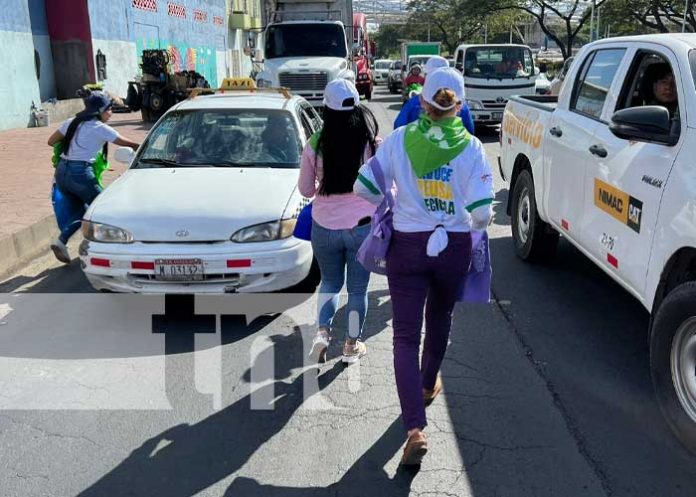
{"points": [[222, 138], [498, 63], [382, 65], [305, 40]]}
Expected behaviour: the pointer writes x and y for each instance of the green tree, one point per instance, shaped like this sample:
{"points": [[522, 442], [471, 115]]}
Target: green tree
{"points": [[664, 16], [560, 20], [387, 40]]}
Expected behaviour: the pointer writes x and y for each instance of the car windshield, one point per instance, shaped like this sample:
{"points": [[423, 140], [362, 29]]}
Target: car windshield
{"points": [[297, 40], [498, 62], [382, 65], [222, 138]]}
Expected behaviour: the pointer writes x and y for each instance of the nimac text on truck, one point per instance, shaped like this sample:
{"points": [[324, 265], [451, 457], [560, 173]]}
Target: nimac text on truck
{"points": [[610, 164]]}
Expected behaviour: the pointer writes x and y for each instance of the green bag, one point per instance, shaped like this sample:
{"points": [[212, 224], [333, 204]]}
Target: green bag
{"points": [[99, 165]]}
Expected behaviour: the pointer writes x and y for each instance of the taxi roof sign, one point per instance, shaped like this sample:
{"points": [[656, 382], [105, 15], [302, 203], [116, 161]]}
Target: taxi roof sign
{"points": [[238, 84]]}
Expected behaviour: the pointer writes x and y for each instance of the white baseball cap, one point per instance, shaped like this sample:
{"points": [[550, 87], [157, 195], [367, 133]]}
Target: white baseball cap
{"points": [[341, 94], [446, 78], [434, 63]]}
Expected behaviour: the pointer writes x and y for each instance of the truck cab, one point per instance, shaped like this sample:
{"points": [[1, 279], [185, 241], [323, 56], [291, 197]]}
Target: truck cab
{"points": [[609, 165], [307, 46], [492, 74]]}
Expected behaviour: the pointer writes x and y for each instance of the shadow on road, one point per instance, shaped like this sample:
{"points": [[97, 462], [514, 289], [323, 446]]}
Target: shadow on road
{"points": [[586, 340]]}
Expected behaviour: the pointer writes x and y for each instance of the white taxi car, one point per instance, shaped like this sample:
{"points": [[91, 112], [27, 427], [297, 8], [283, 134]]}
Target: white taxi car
{"points": [[209, 202]]}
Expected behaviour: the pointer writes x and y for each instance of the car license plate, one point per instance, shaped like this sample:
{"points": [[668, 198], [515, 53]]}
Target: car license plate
{"points": [[179, 269], [497, 115]]}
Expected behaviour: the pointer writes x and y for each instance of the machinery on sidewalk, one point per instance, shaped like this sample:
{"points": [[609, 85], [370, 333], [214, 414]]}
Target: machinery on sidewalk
{"points": [[159, 88]]}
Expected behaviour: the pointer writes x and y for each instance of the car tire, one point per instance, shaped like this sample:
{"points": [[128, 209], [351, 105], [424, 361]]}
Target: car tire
{"points": [[534, 240], [672, 359]]}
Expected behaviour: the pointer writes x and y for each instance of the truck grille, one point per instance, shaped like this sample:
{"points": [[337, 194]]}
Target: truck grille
{"points": [[315, 81], [493, 104]]}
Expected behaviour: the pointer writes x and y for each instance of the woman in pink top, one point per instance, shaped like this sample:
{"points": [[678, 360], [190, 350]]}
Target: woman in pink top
{"points": [[340, 219]]}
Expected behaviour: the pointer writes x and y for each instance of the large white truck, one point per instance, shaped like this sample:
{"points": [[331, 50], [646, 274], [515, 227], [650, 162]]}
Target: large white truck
{"points": [[307, 45], [609, 163], [493, 74]]}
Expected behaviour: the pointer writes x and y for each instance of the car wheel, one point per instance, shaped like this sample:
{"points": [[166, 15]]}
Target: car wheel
{"points": [[673, 361], [534, 240]]}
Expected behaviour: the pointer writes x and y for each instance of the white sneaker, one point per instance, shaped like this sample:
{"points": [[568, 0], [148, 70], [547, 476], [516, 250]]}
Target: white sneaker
{"points": [[320, 344], [61, 251]]}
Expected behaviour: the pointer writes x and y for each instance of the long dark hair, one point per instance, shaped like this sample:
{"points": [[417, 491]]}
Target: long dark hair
{"points": [[81, 117], [342, 144]]}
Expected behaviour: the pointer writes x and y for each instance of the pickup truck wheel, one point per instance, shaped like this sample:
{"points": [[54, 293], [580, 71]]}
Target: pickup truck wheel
{"points": [[534, 239], [673, 361]]}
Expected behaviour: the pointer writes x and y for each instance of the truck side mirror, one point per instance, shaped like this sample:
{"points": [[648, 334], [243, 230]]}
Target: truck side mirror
{"points": [[650, 123]]}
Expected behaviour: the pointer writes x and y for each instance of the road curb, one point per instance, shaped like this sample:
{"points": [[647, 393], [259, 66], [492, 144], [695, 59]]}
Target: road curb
{"points": [[21, 247]]}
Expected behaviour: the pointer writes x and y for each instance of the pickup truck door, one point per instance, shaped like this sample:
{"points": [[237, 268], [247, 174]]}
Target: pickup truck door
{"points": [[625, 179], [570, 135]]}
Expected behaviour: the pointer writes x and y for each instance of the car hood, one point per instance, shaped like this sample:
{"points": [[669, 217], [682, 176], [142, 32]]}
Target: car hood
{"points": [[309, 64], [209, 204]]}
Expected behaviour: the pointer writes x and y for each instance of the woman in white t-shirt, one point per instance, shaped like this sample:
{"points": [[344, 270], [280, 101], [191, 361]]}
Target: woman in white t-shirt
{"points": [[83, 137], [444, 189]]}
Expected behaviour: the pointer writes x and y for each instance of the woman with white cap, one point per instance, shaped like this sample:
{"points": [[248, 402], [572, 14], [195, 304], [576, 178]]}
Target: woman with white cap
{"points": [[83, 137], [444, 190], [412, 109], [340, 219]]}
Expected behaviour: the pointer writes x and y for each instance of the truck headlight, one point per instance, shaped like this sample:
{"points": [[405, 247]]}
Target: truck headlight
{"points": [[265, 232], [264, 83], [105, 233], [475, 104]]}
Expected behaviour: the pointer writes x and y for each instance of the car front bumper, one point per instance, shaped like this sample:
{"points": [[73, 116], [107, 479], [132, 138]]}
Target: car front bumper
{"points": [[227, 266]]}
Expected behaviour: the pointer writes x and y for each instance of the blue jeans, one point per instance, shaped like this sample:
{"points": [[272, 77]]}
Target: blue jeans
{"points": [[336, 252], [78, 184]]}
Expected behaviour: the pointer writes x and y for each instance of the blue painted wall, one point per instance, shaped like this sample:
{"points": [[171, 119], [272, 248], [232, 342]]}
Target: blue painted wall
{"points": [[192, 44], [14, 16]]}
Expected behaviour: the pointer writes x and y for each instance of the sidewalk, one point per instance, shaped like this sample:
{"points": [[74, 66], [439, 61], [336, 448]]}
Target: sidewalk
{"points": [[26, 215]]}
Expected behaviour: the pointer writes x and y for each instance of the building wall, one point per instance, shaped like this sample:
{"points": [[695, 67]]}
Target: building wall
{"points": [[193, 31], [19, 86], [42, 45]]}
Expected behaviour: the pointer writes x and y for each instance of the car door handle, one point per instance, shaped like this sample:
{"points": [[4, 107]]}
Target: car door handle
{"points": [[599, 151], [557, 132]]}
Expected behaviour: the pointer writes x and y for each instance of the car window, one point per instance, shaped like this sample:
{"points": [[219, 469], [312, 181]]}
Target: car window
{"points": [[596, 78], [313, 116], [306, 124], [222, 138]]}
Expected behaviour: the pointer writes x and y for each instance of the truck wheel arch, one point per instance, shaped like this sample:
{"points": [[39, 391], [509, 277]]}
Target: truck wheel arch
{"points": [[521, 163], [680, 268]]}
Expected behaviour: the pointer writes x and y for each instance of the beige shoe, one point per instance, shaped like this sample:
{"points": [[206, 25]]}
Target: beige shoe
{"points": [[416, 448], [320, 345], [353, 350], [429, 395]]}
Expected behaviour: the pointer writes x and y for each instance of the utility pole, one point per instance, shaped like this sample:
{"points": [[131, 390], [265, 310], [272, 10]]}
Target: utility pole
{"points": [[510, 34], [686, 9], [485, 34], [592, 21]]}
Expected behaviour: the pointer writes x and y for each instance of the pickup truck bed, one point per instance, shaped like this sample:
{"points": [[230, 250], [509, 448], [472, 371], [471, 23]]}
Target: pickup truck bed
{"points": [[546, 103]]}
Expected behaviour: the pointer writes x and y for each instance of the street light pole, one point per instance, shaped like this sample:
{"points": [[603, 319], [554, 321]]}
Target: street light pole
{"points": [[592, 21], [686, 9]]}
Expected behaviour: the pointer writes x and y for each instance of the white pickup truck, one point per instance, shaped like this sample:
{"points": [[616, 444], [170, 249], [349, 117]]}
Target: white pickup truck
{"points": [[611, 164]]}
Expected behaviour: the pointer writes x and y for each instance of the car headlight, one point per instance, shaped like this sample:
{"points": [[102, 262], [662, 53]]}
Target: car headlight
{"points": [[265, 232], [475, 104], [264, 83], [105, 233]]}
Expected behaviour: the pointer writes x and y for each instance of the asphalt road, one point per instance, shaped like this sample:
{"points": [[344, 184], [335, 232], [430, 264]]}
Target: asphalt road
{"points": [[547, 391]]}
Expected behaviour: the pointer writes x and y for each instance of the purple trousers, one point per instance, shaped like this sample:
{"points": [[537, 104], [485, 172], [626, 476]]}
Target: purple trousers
{"points": [[417, 281]]}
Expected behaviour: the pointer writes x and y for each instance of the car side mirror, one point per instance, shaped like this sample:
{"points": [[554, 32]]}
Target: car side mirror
{"points": [[650, 123], [125, 155]]}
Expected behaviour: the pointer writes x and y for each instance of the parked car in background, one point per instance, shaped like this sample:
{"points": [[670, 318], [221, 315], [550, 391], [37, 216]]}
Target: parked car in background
{"points": [[381, 71], [208, 203], [394, 80]]}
